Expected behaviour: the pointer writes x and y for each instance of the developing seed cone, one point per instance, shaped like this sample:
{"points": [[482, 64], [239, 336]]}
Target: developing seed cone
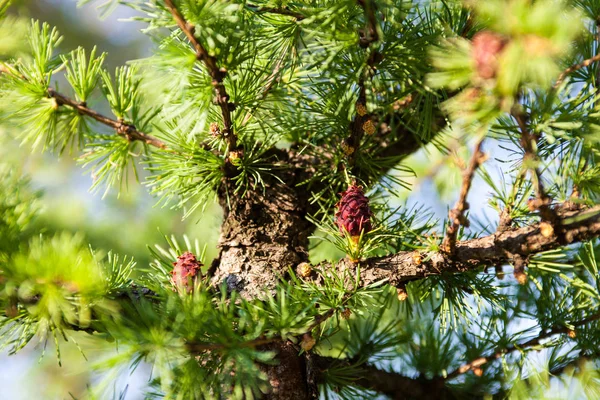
{"points": [[354, 213], [487, 47], [185, 269]]}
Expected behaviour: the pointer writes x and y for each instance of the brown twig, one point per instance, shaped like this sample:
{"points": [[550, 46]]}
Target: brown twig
{"points": [[352, 142], [217, 74], [370, 34], [542, 202], [574, 68], [122, 128], [362, 122], [457, 214], [274, 10], [576, 190], [478, 362]]}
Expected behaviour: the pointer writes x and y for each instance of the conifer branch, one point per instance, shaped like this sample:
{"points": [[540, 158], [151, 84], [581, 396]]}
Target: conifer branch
{"points": [[597, 82], [574, 363], [457, 214], [122, 128], [392, 384], [274, 10], [573, 68], [270, 82], [502, 247], [370, 35], [399, 387], [529, 142], [536, 341], [362, 122], [405, 145], [352, 142], [197, 348], [217, 74], [202, 347]]}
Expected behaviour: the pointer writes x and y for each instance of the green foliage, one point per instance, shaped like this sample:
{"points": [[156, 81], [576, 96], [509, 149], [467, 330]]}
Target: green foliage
{"points": [[82, 74], [18, 206], [56, 284], [109, 159], [14, 31], [122, 93], [295, 72], [536, 36], [189, 174], [43, 40]]}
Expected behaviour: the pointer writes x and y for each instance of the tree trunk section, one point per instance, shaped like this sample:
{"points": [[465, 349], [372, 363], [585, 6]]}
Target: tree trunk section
{"points": [[288, 378], [264, 234]]}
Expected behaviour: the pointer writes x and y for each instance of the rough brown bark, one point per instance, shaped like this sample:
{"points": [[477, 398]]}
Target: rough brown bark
{"points": [[288, 377], [499, 248], [264, 234]]}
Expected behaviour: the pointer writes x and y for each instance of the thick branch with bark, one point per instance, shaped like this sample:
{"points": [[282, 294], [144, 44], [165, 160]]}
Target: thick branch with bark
{"points": [[264, 233], [396, 269]]}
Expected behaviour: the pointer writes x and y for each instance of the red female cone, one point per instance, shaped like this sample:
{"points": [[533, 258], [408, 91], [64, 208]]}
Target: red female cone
{"points": [[184, 270], [354, 214], [487, 47]]}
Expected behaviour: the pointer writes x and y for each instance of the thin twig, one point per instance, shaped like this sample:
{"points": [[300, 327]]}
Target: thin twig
{"points": [[457, 214], [574, 68], [270, 82], [576, 190], [217, 74], [122, 128], [362, 122], [274, 10], [542, 203], [478, 362], [357, 126]]}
